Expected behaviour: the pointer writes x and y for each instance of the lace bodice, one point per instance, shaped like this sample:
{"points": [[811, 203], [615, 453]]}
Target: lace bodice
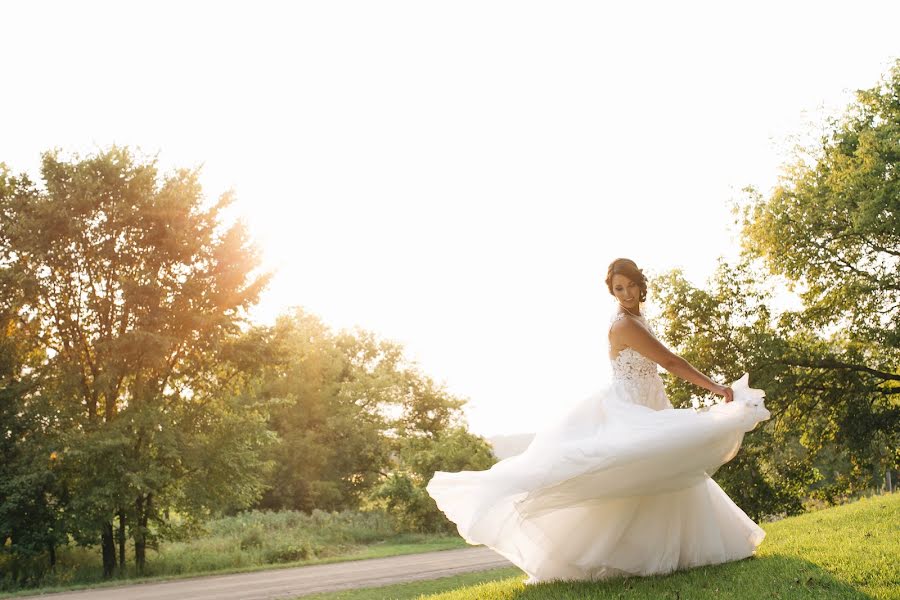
{"points": [[630, 364], [636, 375]]}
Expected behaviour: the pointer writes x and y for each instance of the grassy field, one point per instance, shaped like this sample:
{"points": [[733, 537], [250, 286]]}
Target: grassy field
{"points": [[849, 551], [248, 542]]}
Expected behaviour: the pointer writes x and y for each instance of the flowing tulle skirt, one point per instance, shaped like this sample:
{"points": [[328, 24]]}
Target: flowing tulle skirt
{"points": [[614, 488]]}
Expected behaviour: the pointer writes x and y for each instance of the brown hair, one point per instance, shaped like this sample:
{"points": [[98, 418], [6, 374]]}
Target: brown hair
{"points": [[627, 267]]}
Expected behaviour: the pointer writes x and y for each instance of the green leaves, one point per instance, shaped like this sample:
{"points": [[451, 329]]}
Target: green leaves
{"points": [[831, 233], [120, 292], [357, 423], [833, 224]]}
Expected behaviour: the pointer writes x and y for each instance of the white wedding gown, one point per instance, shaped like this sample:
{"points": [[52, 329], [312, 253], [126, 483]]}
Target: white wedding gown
{"points": [[619, 486]]}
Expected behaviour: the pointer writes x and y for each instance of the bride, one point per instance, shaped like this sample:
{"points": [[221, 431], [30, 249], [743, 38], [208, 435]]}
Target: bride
{"points": [[619, 485]]}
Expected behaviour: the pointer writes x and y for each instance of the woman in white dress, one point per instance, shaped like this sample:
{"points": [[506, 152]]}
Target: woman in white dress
{"points": [[619, 485]]}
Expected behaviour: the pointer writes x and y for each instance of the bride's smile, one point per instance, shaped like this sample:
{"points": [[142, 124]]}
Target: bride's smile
{"points": [[628, 293]]}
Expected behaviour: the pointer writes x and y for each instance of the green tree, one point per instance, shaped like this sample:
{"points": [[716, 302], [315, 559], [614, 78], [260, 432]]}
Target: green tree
{"points": [[831, 229], [330, 392], [30, 497], [832, 225], [726, 330], [132, 292], [357, 424], [428, 435]]}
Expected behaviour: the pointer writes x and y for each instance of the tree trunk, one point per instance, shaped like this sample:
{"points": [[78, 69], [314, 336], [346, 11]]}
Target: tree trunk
{"points": [[109, 550], [52, 549], [139, 543], [122, 541], [144, 506]]}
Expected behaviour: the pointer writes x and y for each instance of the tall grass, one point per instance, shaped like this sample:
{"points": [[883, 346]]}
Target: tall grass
{"points": [[266, 538], [254, 539]]}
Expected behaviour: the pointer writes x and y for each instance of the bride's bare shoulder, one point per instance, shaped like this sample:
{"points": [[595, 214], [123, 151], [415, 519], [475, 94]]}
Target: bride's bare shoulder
{"points": [[621, 323], [626, 326]]}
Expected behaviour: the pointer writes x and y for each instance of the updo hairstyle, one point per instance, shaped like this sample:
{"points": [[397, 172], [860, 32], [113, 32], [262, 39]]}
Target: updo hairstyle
{"points": [[628, 268]]}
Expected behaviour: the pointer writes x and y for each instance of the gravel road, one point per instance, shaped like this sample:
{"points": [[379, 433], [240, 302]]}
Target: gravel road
{"points": [[298, 581]]}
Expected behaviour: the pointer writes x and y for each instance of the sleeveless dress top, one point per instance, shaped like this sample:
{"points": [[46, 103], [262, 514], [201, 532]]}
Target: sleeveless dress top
{"points": [[637, 376]]}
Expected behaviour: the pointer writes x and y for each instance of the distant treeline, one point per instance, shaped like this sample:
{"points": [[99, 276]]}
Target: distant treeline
{"points": [[133, 385]]}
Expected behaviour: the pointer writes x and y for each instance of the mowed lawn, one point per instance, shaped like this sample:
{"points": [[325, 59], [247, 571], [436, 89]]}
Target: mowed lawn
{"points": [[849, 551]]}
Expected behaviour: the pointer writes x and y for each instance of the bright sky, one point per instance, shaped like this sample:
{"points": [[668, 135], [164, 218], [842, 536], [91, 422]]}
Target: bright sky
{"points": [[455, 176]]}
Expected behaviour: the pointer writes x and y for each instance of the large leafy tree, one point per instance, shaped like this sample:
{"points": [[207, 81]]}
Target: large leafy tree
{"points": [[830, 231], [428, 435], [30, 496], [357, 422], [130, 291], [724, 330], [330, 391]]}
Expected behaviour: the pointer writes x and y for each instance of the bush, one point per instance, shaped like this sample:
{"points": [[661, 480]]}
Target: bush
{"points": [[410, 505], [252, 539], [291, 552]]}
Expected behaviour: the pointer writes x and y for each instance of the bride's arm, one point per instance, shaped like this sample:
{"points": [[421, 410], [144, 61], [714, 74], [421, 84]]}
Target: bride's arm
{"points": [[629, 333]]}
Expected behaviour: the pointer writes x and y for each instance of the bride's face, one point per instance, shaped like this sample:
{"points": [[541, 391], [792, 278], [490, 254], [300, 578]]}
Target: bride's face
{"points": [[627, 292]]}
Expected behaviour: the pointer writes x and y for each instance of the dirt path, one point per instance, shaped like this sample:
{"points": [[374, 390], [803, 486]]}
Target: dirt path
{"points": [[297, 581]]}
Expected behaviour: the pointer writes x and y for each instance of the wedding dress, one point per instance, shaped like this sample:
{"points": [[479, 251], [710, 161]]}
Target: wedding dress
{"points": [[620, 485]]}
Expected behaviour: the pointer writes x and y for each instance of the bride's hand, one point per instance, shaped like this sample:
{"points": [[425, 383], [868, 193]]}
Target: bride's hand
{"points": [[727, 392]]}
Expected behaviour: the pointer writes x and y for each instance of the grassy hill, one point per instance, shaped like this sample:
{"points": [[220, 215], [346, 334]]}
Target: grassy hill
{"points": [[849, 551]]}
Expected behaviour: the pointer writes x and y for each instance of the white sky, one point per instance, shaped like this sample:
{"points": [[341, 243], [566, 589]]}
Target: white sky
{"points": [[455, 176]]}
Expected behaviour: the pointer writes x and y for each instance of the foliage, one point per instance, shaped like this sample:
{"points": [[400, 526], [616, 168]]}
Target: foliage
{"points": [[725, 331], [131, 390], [832, 225], [216, 546], [831, 229], [358, 425], [830, 232], [417, 457], [330, 391], [430, 436], [119, 293], [30, 522]]}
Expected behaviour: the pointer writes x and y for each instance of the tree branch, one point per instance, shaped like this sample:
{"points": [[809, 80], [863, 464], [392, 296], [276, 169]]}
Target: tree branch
{"points": [[836, 364]]}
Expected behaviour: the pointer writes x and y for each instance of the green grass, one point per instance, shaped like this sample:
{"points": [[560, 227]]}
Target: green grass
{"points": [[420, 589], [849, 551]]}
